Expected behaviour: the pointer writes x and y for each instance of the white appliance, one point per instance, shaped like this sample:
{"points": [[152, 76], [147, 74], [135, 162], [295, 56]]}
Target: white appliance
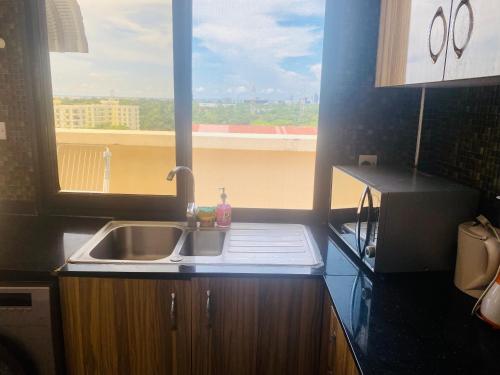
{"points": [[478, 256]]}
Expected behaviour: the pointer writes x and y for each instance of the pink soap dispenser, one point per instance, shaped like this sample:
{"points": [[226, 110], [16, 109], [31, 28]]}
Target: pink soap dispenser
{"points": [[223, 211]]}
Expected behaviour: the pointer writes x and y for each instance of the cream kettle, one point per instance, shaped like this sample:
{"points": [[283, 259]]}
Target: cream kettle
{"points": [[478, 256], [487, 306]]}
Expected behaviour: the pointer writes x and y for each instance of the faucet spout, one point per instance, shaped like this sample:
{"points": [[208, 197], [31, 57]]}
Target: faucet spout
{"points": [[191, 209]]}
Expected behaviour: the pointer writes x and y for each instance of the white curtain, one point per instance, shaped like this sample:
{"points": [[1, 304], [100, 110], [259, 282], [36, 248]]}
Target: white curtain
{"points": [[65, 26]]}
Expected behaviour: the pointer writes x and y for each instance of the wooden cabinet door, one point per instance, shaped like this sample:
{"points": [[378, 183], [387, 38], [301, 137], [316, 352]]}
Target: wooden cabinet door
{"points": [[336, 356], [224, 325], [392, 50], [126, 326], [343, 362], [256, 326], [474, 40]]}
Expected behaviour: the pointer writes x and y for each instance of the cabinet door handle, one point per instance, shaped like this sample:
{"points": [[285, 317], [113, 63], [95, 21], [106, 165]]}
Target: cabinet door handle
{"points": [[173, 312], [439, 14], [459, 51], [333, 338], [209, 310]]}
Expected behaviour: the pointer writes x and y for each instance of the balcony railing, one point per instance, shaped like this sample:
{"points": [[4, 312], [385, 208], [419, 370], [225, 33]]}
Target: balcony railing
{"points": [[273, 168]]}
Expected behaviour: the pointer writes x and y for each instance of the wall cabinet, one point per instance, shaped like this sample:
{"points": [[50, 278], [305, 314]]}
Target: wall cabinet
{"points": [[438, 42], [474, 40], [428, 33], [212, 325]]}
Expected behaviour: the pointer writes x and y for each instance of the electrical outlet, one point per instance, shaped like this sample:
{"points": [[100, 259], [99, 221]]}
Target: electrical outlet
{"points": [[3, 131], [367, 160]]}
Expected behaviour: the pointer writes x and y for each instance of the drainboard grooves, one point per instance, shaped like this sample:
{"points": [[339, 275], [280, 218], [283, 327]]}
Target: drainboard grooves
{"points": [[267, 241]]}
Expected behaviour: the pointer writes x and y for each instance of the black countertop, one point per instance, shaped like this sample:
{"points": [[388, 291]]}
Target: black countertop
{"points": [[396, 324], [32, 247], [413, 323]]}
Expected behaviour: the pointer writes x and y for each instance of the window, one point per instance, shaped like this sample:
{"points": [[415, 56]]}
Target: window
{"points": [[113, 94], [246, 98], [256, 83]]}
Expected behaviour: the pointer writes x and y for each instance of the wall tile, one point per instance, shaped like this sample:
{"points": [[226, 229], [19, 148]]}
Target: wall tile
{"points": [[461, 136], [17, 177]]}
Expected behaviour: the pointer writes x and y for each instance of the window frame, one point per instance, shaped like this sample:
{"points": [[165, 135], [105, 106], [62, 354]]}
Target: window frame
{"points": [[56, 202]]}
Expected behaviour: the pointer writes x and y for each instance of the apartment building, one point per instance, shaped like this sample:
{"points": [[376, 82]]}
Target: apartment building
{"points": [[105, 114]]}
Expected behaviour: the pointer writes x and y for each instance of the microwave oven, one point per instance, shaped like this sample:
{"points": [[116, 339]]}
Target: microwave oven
{"points": [[399, 220]]}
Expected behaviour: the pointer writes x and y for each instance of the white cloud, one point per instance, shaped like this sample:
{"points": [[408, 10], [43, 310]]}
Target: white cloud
{"points": [[252, 39], [130, 48], [316, 70], [130, 51]]}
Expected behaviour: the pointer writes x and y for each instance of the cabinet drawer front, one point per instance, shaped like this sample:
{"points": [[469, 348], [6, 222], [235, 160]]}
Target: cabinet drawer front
{"points": [[427, 40], [474, 41]]}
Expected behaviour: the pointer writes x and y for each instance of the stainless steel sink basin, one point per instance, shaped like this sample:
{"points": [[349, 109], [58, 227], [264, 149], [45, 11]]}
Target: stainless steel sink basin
{"points": [[150, 242], [131, 242], [137, 243], [203, 243]]}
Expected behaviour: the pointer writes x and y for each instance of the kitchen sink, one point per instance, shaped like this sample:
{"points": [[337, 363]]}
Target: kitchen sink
{"points": [[131, 242], [203, 243], [137, 243], [151, 242]]}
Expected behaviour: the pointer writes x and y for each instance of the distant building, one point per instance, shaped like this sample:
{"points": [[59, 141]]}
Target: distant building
{"points": [[208, 105], [105, 114], [256, 101]]}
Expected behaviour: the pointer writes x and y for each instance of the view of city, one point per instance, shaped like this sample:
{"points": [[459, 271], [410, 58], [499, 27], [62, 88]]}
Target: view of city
{"points": [[158, 114], [256, 69]]}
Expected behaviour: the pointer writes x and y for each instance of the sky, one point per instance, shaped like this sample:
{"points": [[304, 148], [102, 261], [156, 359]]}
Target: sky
{"points": [[242, 49]]}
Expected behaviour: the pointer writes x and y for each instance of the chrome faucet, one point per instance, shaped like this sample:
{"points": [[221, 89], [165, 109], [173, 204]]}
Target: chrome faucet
{"points": [[191, 210]]}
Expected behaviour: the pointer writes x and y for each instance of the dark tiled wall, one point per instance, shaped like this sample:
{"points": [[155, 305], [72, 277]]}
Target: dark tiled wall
{"points": [[378, 121], [355, 118], [461, 136], [17, 177]]}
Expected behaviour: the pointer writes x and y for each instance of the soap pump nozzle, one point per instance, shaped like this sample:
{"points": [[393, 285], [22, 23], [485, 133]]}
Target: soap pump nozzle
{"points": [[223, 195]]}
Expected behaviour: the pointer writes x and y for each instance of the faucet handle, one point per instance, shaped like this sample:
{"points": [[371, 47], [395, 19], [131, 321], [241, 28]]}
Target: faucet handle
{"points": [[192, 215], [191, 210]]}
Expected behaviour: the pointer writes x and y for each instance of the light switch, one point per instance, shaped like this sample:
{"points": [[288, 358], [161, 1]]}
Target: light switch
{"points": [[3, 131]]}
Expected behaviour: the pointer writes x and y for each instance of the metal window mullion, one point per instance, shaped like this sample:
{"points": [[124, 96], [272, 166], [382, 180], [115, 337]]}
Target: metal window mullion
{"points": [[182, 20]]}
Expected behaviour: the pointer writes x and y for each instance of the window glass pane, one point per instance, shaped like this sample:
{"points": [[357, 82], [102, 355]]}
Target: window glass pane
{"points": [[256, 81], [112, 78]]}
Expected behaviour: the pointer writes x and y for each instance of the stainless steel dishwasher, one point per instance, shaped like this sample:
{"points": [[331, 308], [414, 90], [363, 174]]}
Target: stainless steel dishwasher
{"points": [[26, 339]]}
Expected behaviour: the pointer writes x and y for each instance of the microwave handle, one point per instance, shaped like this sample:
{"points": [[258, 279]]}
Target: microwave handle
{"points": [[366, 194], [357, 234], [368, 221]]}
